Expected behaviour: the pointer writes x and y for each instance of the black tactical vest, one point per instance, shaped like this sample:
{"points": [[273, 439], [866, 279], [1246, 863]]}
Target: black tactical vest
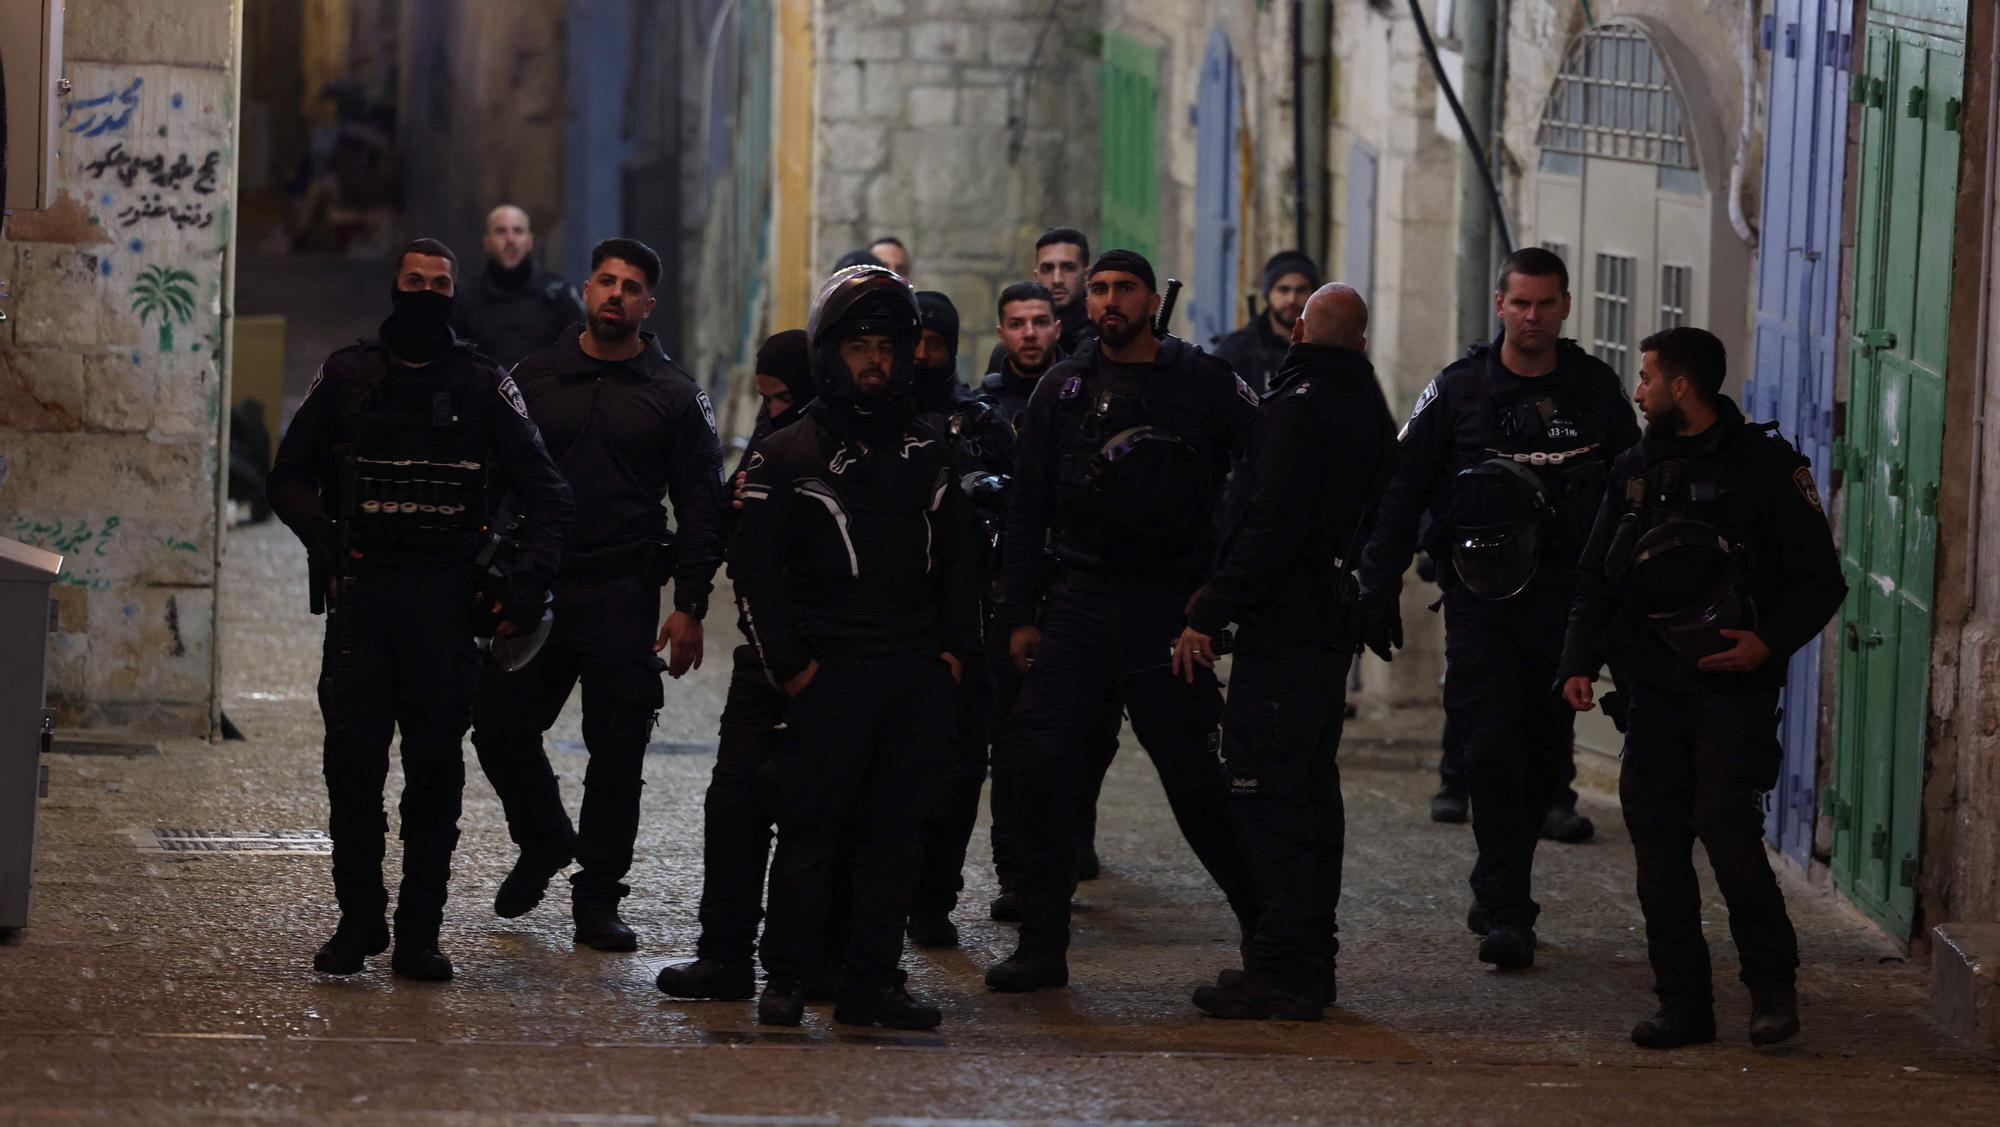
{"points": [[411, 450]]}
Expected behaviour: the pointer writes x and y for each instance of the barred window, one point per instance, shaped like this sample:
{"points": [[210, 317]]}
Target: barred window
{"points": [[1613, 98], [1611, 312], [1676, 287]]}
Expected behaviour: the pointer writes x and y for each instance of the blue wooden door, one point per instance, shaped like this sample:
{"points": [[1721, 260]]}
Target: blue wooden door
{"points": [[1798, 276], [1218, 203]]}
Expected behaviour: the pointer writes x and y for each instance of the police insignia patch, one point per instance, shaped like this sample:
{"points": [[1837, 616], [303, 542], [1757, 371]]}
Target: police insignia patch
{"points": [[1423, 401], [707, 409], [1802, 477], [1243, 389], [513, 397]]}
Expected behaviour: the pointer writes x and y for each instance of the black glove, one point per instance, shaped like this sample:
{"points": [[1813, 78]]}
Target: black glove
{"points": [[1381, 624], [525, 599]]}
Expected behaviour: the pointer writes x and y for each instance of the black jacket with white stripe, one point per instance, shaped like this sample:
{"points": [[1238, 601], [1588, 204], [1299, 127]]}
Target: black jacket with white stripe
{"points": [[846, 549]]}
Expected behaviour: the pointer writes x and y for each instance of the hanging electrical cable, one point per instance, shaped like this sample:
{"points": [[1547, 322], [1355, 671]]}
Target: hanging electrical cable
{"points": [[1464, 127]]}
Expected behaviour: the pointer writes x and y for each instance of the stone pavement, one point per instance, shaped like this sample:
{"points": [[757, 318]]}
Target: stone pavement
{"points": [[160, 986]]}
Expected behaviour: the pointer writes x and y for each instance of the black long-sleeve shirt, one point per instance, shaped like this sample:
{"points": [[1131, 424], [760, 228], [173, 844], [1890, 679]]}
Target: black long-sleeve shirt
{"points": [[1766, 503], [1186, 391], [1456, 426], [487, 412], [846, 549], [626, 433], [1323, 448]]}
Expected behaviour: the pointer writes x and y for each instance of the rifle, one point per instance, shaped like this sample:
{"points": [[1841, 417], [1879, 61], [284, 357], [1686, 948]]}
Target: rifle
{"points": [[1166, 314]]}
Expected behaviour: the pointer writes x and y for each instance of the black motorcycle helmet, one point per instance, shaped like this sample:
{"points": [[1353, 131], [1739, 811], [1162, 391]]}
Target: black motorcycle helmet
{"points": [[1688, 582], [1495, 532], [862, 301]]}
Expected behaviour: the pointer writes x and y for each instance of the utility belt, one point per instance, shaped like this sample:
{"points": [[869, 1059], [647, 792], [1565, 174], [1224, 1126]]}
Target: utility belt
{"points": [[1309, 606], [651, 560], [410, 506]]}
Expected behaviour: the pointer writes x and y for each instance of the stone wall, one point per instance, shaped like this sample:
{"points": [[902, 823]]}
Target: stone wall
{"points": [[913, 139], [110, 364]]}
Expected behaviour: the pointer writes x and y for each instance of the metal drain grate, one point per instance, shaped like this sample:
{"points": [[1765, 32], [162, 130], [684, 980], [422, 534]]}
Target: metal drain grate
{"points": [[242, 841]]}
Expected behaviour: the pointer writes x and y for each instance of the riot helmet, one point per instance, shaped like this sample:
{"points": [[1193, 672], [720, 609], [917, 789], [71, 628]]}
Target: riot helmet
{"points": [[513, 652], [1687, 580], [1498, 508], [862, 301]]}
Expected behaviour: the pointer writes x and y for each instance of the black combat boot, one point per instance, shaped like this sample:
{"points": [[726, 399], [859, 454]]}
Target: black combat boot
{"points": [[1475, 919], [782, 1003], [416, 955], [1509, 948], [933, 929], [1258, 997], [354, 939], [1675, 1026], [1774, 1013], [711, 979], [1564, 824], [1449, 806], [598, 926], [890, 1006], [1024, 971], [1329, 989], [528, 882]]}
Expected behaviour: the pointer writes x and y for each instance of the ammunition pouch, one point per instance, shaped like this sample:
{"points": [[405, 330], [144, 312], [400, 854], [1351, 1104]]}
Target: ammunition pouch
{"points": [[412, 505]]}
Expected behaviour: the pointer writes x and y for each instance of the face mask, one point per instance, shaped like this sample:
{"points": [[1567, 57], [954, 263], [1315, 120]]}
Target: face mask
{"points": [[419, 326]]}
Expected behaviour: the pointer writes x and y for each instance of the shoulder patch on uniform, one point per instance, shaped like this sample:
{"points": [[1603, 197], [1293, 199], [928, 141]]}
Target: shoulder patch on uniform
{"points": [[756, 461], [1424, 400], [707, 409], [1243, 389], [1802, 477], [513, 396], [1070, 387]]}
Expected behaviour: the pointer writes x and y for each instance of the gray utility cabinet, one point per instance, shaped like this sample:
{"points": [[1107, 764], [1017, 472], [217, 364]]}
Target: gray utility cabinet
{"points": [[26, 573]]}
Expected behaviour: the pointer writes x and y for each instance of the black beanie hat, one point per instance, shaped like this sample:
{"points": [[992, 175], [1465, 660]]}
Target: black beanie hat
{"points": [[1126, 261], [936, 313], [788, 356], [1290, 262]]}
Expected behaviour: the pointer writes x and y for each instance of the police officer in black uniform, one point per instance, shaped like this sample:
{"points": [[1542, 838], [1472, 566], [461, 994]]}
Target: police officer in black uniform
{"points": [[1297, 516], [1121, 459], [1029, 346], [1710, 564], [514, 306], [1258, 348], [855, 571], [627, 426], [1507, 449], [737, 814], [385, 474]]}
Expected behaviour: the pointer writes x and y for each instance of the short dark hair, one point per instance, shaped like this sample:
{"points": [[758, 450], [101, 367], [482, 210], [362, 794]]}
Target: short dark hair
{"points": [[1065, 235], [856, 258], [1695, 355], [631, 251], [1023, 291], [428, 247], [891, 240], [1535, 262]]}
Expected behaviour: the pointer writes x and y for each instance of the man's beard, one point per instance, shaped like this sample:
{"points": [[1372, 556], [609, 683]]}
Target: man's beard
{"points": [[1285, 318], [609, 331], [1041, 366], [1121, 337], [1665, 424]]}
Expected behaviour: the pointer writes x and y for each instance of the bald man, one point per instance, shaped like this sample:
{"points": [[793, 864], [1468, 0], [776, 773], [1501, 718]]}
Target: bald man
{"points": [[513, 307], [1295, 520]]}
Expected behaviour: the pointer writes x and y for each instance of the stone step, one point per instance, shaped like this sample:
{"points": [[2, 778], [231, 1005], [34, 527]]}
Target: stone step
{"points": [[1965, 981]]}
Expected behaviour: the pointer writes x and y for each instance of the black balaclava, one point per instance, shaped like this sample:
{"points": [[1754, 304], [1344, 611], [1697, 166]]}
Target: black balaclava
{"points": [[511, 279], [937, 388], [418, 329], [788, 356]]}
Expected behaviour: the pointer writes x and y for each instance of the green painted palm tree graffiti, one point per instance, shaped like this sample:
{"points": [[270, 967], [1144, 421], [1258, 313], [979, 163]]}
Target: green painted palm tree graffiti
{"points": [[165, 293]]}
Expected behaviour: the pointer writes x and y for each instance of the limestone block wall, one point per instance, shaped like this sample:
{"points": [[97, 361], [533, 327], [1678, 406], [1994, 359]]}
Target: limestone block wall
{"points": [[111, 372], [939, 122]]}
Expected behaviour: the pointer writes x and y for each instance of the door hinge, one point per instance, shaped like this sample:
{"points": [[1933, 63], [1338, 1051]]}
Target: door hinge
{"points": [[1857, 88], [1927, 499], [1878, 844], [1878, 93], [1894, 486], [1836, 455], [1878, 338], [1908, 876], [1953, 111], [1913, 102]]}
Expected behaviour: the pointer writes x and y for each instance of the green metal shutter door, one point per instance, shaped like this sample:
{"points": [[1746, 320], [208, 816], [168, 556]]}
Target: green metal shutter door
{"points": [[1130, 193]]}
